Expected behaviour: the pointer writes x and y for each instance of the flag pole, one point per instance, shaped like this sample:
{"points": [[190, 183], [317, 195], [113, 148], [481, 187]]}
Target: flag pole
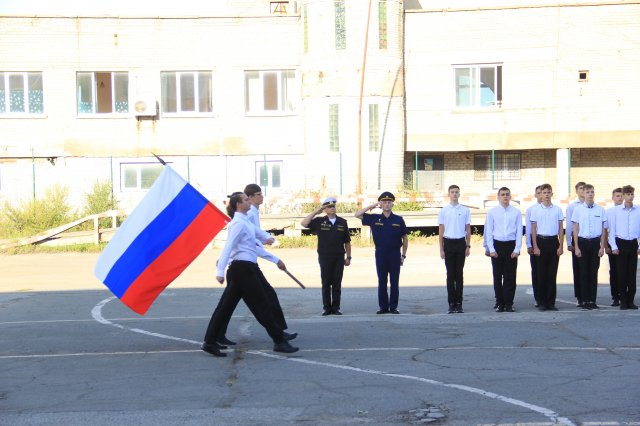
{"points": [[294, 278], [164, 163]]}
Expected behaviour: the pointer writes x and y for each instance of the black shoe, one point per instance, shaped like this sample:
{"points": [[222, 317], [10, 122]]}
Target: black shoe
{"points": [[496, 305], [326, 312], [623, 306], [594, 306], [552, 308], [537, 305], [284, 347], [542, 308], [586, 306], [459, 309], [289, 336], [509, 308], [452, 308], [336, 312], [213, 349], [632, 306], [579, 304], [395, 311], [615, 302], [500, 308], [382, 311], [224, 341]]}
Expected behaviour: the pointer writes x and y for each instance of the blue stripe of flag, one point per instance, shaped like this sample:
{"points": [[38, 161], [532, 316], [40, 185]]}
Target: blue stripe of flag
{"points": [[155, 239]]}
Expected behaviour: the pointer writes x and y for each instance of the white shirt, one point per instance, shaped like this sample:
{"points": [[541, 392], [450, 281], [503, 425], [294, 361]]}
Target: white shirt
{"points": [[254, 217], [548, 220], [241, 242], [455, 220], [503, 224], [590, 219], [527, 216], [569, 232], [624, 224]]}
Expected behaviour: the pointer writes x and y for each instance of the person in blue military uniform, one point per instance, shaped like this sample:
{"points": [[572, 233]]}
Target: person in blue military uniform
{"points": [[334, 252], [390, 238]]}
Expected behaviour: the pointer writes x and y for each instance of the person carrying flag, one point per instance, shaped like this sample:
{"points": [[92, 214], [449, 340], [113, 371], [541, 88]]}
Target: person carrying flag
{"points": [[240, 252]]}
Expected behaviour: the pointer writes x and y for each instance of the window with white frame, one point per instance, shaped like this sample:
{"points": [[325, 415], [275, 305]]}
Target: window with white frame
{"points": [[186, 92], [21, 93], [506, 166], [374, 128], [138, 176], [478, 86], [334, 128], [269, 174], [102, 92], [340, 29], [270, 92]]}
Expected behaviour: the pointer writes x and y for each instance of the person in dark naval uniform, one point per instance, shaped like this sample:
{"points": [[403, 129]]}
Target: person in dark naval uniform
{"points": [[390, 238], [334, 242]]}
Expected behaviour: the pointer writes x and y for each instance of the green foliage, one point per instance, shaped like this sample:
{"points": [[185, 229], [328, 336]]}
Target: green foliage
{"points": [[36, 215], [99, 200], [408, 206], [340, 207]]}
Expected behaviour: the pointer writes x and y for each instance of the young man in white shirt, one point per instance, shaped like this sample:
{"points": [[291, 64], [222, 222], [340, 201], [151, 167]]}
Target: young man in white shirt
{"points": [[624, 231], [532, 259], [569, 235], [588, 245], [503, 240], [454, 236], [617, 197], [547, 237]]}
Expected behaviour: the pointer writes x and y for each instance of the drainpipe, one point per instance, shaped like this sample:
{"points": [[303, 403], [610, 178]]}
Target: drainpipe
{"points": [[264, 159], [33, 173], [364, 64], [340, 172], [111, 177], [188, 169], [415, 174], [569, 172], [493, 169]]}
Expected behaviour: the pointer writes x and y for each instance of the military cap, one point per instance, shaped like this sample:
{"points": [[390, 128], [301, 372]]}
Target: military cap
{"points": [[386, 196], [329, 202]]}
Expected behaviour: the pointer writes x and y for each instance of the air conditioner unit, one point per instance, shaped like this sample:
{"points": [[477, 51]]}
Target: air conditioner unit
{"points": [[145, 108]]}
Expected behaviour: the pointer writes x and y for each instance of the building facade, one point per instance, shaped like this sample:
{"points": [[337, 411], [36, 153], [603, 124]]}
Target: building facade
{"points": [[319, 96]]}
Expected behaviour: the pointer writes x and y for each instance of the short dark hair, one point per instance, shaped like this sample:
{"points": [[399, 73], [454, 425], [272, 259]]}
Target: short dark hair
{"points": [[537, 188], [453, 187], [580, 184], [587, 186], [504, 188], [234, 199], [252, 189], [628, 189], [616, 190], [546, 186]]}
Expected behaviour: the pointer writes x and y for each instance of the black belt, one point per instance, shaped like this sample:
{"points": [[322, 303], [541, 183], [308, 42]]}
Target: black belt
{"points": [[547, 237], [455, 239], [589, 239]]}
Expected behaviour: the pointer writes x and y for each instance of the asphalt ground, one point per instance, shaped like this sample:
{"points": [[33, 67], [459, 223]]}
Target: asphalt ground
{"points": [[71, 354]]}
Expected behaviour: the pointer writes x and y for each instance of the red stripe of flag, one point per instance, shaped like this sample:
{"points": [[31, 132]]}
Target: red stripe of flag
{"points": [[166, 267]]}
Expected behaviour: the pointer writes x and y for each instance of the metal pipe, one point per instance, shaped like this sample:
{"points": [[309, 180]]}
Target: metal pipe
{"points": [[33, 172], [493, 169], [364, 64]]}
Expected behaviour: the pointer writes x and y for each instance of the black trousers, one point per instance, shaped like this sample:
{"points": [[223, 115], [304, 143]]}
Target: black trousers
{"points": [[627, 264], [274, 304], [504, 272], [331, 271], [454, 258], [547, 271], [589, 264], [613, 275], [577, 287], [243, 282], [533, 261]]}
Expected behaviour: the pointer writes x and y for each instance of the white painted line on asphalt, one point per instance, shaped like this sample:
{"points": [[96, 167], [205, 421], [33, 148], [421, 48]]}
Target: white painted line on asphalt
{"points": [[96, 312], [80, 354], [550, 414]]}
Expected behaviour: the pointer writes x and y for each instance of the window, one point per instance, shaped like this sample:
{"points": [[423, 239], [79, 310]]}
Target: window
{"points": [[382, 24], [334, 128], [21, 93], [506, 166], [269, 174], [186, 92], [340, 25], [270, 92], [478, 86], [102, 92], [138, 176], [374, 128], [306, 28], [583, 75]]}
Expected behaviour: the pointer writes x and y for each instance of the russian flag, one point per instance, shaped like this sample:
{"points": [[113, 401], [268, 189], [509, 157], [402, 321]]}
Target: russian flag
{"points": [[168, 229]]}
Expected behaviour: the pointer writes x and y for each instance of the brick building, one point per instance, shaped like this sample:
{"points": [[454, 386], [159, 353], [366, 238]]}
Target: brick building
{"points": [[478, 93]]}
